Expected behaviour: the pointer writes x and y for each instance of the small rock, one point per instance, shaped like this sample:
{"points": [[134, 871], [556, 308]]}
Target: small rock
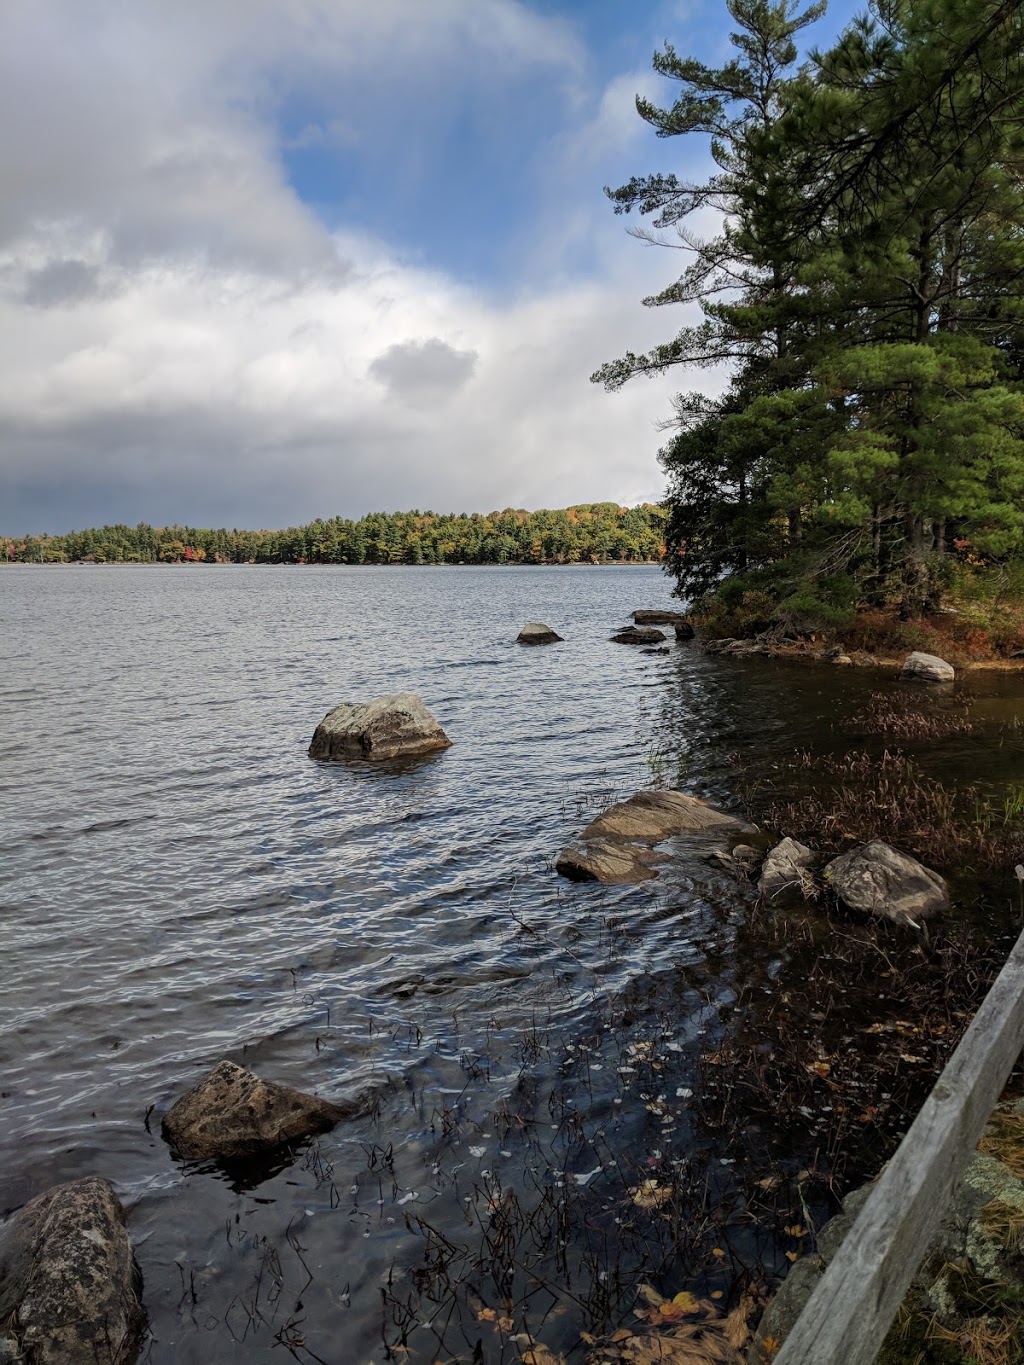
{"points": [[880, 880], [659, 618], [537, 633], [395, 726], [664, 650], [745, 854], [69, 1283], [639, 635], [719, 646], [684, 631], [927, 668], [843, 661], [785, 871], [233, 1113], [833, 652]]}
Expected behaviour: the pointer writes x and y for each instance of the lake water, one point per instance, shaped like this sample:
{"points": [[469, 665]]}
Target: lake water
{"points": [[181, 883]]}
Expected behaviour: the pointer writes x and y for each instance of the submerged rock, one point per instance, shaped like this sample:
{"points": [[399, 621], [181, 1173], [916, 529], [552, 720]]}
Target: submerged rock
{"points": [[611, 861], [881, 881], [233, 1113], [927, 668], [395, 726], [785, 871], [638, 635], [69, 1283], [659, 618], [615, 847], [536, 633]]}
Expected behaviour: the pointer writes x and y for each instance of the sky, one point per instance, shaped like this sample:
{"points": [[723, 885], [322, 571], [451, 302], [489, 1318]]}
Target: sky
{"points": [[268, 260]]}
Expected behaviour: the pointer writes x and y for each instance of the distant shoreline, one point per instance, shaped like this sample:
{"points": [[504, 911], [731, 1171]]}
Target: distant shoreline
{"points": [[297, 564]]}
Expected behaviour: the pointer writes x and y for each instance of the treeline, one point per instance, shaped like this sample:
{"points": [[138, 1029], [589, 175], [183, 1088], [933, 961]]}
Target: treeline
{"points": [[591, 533], [865, 290]]}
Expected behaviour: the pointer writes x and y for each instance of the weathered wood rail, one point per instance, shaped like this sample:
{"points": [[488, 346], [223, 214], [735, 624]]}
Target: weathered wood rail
{"points": [[852, 1307]]}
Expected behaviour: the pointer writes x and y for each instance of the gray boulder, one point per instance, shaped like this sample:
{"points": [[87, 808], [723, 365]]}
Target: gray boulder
{"points": [[69, 1283], [786, 871], [396, 726], [684, 631], [536, 633], [659, 618], [638, 635], [927, 668], [233, 1113], [881, 881]]}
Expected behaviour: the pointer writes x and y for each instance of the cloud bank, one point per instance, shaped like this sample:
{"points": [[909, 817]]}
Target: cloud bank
{"points": [[183, 336]]}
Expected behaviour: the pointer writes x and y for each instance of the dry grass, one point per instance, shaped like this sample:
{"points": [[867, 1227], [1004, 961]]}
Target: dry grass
{"points": [[858, 797], [1005, 1223], [899, 717], [1005, 1141]]}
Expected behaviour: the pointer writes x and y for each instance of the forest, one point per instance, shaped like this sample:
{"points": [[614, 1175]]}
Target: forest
{"points": [[854, 285], [590, 533]]}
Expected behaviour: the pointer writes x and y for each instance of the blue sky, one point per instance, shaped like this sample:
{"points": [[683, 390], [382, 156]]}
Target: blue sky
{"points": [[261, 262]]}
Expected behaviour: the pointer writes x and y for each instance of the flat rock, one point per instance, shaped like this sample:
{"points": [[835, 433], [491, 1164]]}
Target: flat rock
{"points": [[612, 861], [881, 881], [785, 871], [651, 816], [927, 668], [660, 618], [233, 1114], [395, 726], [638, 635], [69, 1282], [537, 633]]}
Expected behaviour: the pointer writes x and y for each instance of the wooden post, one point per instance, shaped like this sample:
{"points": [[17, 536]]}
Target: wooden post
{"points": [[850, 1311]]}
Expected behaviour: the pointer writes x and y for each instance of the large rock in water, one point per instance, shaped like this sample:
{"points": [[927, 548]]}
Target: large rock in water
{"points": [[615, 848], [880, 880], [638, 635], [537, 633], [786, 871], [927, 668], [69, 1283], [659, 618], [397, 726], [233, 1114]]}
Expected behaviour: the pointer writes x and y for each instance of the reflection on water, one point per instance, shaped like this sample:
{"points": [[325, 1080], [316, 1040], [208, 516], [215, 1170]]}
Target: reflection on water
{"points": [[180, 883]]}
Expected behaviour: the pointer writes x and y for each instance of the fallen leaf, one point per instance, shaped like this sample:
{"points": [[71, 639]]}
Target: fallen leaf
{"points": [[795, 1230], [792, 1256], [649, 1194], [819, 1068]]}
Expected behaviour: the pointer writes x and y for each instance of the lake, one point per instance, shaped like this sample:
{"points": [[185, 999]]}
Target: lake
{"points": [[180, 883]]}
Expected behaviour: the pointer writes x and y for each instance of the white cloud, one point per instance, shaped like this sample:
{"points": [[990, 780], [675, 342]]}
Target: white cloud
{"points": [[182, 337]]}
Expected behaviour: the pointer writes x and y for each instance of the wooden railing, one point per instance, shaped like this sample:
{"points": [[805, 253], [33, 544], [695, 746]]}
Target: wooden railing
{"points": [[853, 1305]]}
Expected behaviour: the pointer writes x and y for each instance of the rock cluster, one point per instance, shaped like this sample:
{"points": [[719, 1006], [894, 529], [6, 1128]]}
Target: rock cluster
{"points": [[397, 726], [617, 846], [69, 1283], [873, 878], [232, 1113]]}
